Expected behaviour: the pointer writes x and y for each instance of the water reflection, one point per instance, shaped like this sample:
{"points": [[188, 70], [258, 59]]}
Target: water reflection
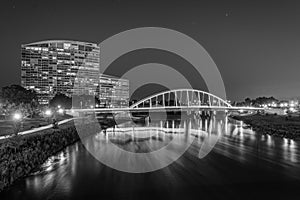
{"points": [[54, 174], [159, 134]]}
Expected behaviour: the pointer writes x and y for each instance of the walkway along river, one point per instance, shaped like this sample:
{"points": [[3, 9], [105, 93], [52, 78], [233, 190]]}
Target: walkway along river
{"points": [[243, 164]]}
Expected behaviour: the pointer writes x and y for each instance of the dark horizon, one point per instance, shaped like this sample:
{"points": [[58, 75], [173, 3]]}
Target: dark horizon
{"points": [[254, 44]]}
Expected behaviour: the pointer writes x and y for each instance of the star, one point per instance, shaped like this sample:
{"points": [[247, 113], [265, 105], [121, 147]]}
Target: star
{"points": [[227, 14]]}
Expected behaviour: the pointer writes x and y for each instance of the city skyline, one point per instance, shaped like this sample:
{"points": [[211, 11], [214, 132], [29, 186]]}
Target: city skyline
{"points": [[149, 99], [255, 45]]}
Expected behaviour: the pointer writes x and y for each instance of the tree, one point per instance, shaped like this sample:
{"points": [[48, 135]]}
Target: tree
{"points": [[62, 100], [258, 101], [248, 101], [16, 98], [16, 94], [265, 100]]}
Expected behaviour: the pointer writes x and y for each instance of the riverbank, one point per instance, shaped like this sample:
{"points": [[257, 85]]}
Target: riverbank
{"points": [[281, 126], [7, 127], [20, 155]]}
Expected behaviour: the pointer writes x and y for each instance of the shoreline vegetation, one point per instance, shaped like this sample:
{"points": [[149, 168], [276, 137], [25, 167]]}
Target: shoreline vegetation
{"points": [[22, 154], [274, 125]]}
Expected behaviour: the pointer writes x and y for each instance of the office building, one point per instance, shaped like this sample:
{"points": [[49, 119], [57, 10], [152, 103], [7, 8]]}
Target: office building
{"points": [[113, 92], [55, 66]]}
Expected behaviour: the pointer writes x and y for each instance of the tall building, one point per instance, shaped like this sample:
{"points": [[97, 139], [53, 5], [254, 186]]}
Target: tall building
{"points": [[55, 66], [113, 91]]}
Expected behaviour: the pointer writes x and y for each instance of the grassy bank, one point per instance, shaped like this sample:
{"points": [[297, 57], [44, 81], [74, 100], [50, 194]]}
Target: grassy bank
{"points": [[7, 126], [20, 155], [281, 126]]}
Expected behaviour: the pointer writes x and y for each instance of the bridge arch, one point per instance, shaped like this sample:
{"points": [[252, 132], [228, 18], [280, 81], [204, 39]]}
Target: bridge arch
{"points": [[179, 98]]}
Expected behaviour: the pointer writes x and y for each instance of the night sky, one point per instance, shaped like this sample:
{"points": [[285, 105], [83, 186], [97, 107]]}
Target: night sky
{"points": [[255, 44]]}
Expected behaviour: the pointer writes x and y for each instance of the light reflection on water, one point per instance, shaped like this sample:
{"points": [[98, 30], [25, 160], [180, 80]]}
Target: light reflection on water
{"points": [[62, 175]]}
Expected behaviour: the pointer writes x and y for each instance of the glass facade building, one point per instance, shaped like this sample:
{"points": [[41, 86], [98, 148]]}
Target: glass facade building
{"points": [[113, 91], [55, 66]]}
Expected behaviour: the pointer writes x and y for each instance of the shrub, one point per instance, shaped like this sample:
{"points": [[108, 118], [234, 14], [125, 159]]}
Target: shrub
{"points": [[22, 154]]}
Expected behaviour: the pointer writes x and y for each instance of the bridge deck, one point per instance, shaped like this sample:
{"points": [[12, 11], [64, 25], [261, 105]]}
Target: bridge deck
{"points": [[169, 108]]}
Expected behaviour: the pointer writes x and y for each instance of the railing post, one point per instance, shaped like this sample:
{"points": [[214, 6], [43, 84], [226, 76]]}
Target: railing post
{"points": [[187, 97], [199, 98], [169, 99], [176, 99], [180, 97]]}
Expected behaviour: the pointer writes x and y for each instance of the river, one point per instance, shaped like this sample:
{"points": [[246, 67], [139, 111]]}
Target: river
{"points": [[242, 164]]}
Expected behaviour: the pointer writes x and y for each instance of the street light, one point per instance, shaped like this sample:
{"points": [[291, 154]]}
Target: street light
{"points": [[48, 112], [17, 116], [60, 111]]}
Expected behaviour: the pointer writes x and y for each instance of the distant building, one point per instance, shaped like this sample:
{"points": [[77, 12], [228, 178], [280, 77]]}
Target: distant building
{"points": [[283, 104], [113, 92], [49, 67], [293, 103]]}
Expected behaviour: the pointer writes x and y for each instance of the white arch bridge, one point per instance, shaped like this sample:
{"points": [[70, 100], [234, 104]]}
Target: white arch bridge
{"points": [[178, 99]]}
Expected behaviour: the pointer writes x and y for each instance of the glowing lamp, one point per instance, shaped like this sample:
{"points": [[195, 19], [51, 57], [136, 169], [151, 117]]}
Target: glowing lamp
{"points": [[48, 112], [17, 116], [60, 111]]}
